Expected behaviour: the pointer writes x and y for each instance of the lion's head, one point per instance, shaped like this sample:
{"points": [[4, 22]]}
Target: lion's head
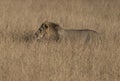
{"points": [[48, 30]]}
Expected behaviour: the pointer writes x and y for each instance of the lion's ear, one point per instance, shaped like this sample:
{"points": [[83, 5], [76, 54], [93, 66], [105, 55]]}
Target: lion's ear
{"points": [[57, 26], [46, 26]]}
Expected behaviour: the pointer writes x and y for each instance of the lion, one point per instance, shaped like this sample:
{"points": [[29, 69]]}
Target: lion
{"points": [[52, 31], [48, 31]]}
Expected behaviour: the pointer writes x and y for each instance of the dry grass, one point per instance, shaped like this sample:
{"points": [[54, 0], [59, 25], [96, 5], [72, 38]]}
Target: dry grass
{"points": [[23, 59]]}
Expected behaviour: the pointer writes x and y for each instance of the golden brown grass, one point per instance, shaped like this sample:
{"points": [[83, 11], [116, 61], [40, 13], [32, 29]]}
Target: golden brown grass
{"points": [[23, 59]]}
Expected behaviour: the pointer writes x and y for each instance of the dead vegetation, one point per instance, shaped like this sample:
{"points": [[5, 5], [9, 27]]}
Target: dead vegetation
{"points": [[23, 59]]}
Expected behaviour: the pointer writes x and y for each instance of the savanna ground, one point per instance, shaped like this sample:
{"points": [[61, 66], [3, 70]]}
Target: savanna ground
{"points": [[23, 59]]}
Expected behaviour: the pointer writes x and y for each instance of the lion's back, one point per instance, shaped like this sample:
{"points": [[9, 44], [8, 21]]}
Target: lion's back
{"points": [[83, 36]]}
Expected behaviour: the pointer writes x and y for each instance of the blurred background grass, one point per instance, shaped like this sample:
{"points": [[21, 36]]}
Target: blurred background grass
{"points": [[22, 59]]}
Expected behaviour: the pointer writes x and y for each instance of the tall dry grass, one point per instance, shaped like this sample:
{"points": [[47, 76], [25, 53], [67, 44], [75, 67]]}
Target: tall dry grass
{"points": [[23, 59]]}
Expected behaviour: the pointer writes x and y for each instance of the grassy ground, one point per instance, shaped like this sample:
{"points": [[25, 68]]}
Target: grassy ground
{"points": [[23, 59]]}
